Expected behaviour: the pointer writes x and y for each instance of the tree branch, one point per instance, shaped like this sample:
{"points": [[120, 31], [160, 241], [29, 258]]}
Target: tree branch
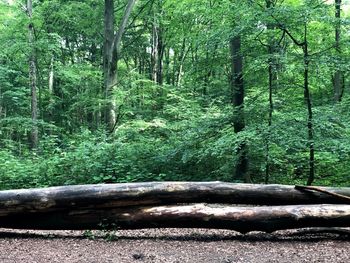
{"points": [[317, 189], [118, 36]]}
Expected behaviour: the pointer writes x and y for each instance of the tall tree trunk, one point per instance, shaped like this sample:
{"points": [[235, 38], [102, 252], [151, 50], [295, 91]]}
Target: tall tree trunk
{"points": [[111, 55], [160, 46], [173, 77], [237, 85], [157, 54], [307, 97], [51, 88], [34, 140], [167, 65], [109, 66], [154, 52], [206, 73], [338, 78], [181, 60], [272, 77], [51, 75], [272, 71]]}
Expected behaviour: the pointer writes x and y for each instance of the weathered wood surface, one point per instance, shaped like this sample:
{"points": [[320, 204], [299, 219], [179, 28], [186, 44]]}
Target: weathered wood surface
{"points": [[242, 219], [157, 193]]}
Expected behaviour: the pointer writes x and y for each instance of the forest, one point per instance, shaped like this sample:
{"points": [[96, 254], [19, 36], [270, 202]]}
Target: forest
{"points": [[114, 91]]}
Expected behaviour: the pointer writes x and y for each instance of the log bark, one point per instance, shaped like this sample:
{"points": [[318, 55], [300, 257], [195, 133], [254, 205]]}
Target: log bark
{"points": [[104, 196], [241, 219], [34, 136]]}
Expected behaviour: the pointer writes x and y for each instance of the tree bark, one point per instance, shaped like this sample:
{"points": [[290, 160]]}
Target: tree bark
{"points": [[237, 85], [310, 124], [180, 60], [272, 81], [111, 54], [242, 219], [167, 74], [307, 97], [157, 53], [34, 136], [109, 66], [338, 78], [104, 196]]}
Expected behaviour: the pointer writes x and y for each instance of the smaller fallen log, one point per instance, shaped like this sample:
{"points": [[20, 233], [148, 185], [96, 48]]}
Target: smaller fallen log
{"points": [[241, 219]]}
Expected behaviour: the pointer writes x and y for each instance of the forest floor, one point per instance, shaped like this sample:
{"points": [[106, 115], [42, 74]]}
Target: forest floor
{"points": [[172, 245]]}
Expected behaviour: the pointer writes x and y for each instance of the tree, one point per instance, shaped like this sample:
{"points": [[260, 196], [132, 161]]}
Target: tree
{"points": [[237, 85], [304, 45], [338, 76], [32, 77], [111, 54], [273, 47], [157, 51], [202, 97]]}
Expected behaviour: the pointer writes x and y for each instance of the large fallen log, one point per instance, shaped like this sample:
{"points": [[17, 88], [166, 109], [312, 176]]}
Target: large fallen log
{"points": [[158, 193], [242, 219]]}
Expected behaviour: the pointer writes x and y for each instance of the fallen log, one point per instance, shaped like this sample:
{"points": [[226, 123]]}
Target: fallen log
{"points": [[241, 219], [157, 193]]}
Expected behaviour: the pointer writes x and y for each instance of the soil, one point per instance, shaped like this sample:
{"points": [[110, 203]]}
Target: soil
{"points": [[173, 245]]}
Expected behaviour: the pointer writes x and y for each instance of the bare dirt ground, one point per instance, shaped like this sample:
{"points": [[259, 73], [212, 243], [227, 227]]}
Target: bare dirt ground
{"points": [[172, 245]]}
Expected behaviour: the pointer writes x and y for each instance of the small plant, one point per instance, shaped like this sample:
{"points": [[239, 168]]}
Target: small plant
{"points": [[89, 235], [108, 230]]}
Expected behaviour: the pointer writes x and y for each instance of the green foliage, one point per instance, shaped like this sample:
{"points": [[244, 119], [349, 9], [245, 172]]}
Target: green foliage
{"points": [[182, 128]]}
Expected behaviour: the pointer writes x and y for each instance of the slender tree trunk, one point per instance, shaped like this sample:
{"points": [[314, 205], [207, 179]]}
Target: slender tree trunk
{"points": [[272, 86], [51, 75], [181, 60], [51, 88], [154, 52], [167, 65], [173, 77], [109, 66], [310, 128], [338, 78], [307, 98], [237, 85], [206, 73], [157, 54], [111, 52], [34, 140], [160, 46]]}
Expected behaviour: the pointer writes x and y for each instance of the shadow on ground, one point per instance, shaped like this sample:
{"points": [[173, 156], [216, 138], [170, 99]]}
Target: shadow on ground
{"points": [[307, 235]]}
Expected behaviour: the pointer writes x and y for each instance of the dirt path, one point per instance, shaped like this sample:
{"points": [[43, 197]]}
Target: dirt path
{"points": [[172, 245]]}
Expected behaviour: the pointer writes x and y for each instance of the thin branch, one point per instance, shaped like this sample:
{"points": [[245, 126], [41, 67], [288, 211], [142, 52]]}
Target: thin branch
{"points": [[296, 42], [282, 37], [140, 11], [118, 36], [322, 51], [282, 27], [317, 189], [258, 38]]}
